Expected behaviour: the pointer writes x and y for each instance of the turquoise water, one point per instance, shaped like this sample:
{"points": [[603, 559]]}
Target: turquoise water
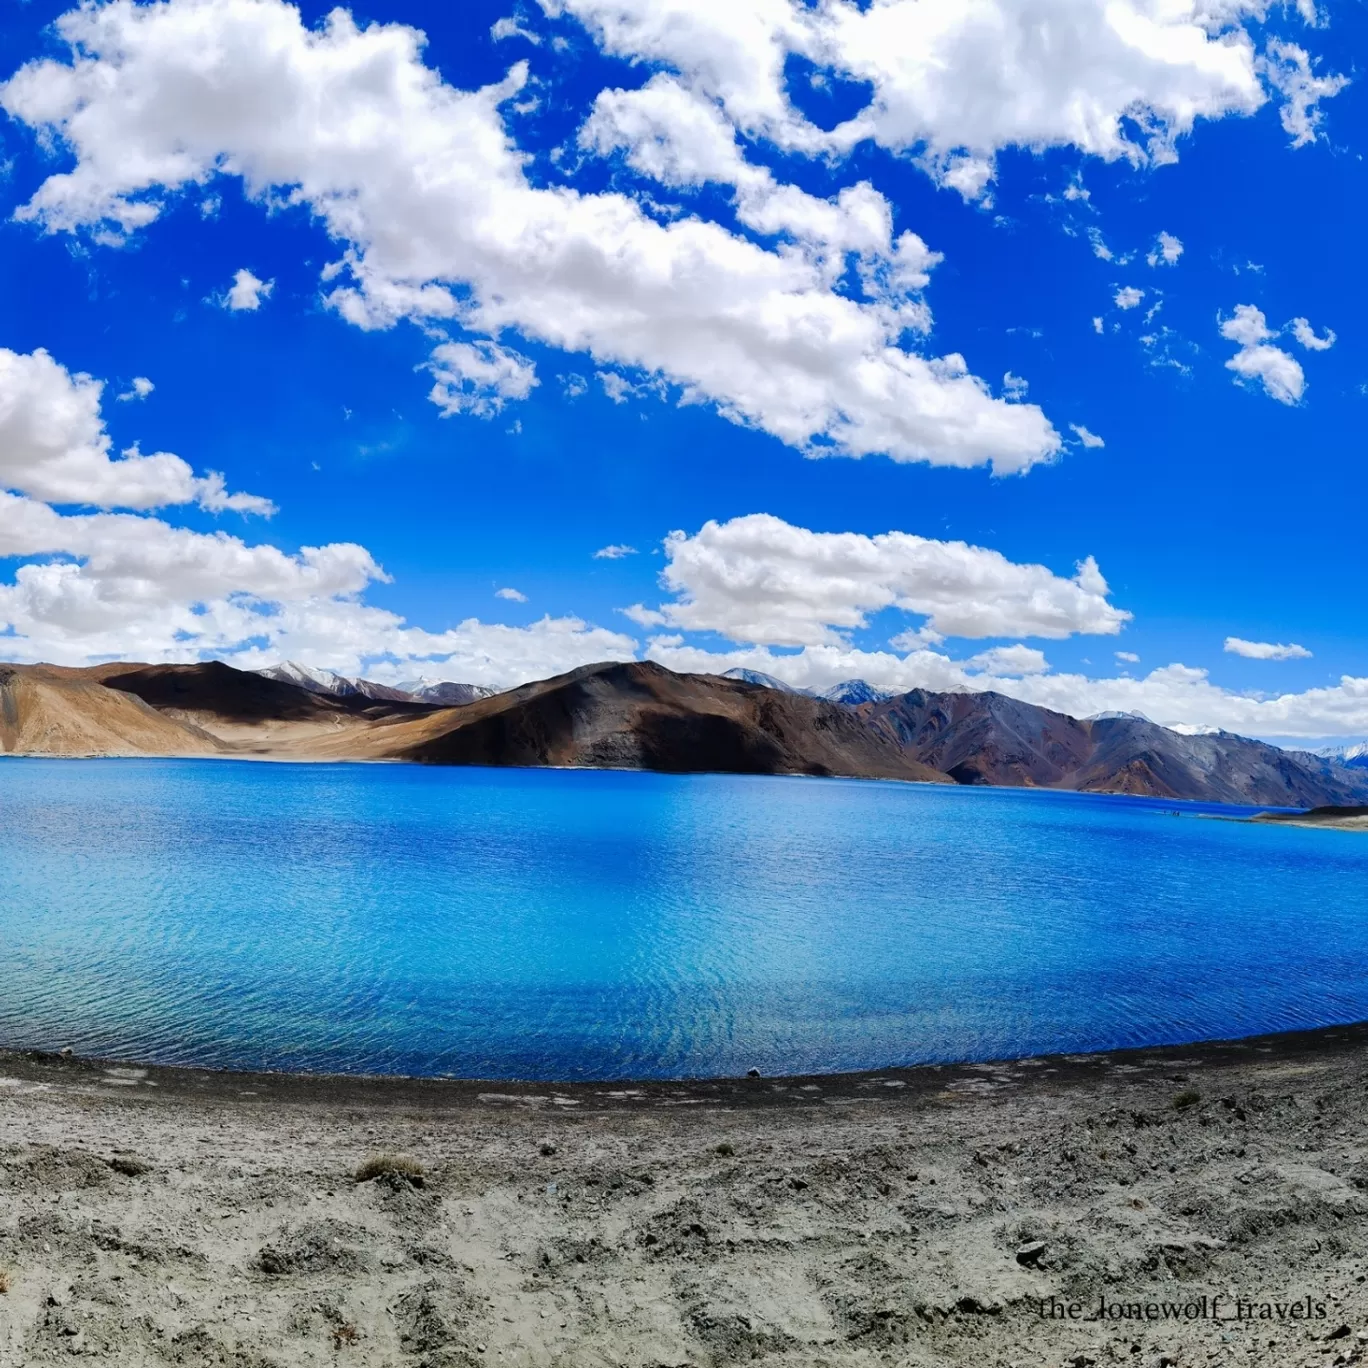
{"points": [[556, 925]]}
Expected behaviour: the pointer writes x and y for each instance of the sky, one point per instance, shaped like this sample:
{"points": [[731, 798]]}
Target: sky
{"points": [[1013, 345]]}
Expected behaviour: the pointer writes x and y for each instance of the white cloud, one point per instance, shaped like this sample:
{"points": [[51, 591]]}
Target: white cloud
{"points": [[1175, 695], [1014, 387], [1128, 297], [1097, 324], [955, 84], [54, 446], [615, 552], [246, 292], [1127, 657], [509, 27], [1089, 439], [1099, 246], [1265, 650], [1277, 371], [1009, 661], [1290, 70], [139, 388], [512, 595], [423, 187], [140, 589], [1166, 251], [1306, 336], [760, 579], [95, 586], [478, 378]]}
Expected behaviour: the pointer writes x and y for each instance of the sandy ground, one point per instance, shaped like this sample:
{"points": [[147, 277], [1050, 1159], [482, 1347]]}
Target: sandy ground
{"points": [[919, 1217]]}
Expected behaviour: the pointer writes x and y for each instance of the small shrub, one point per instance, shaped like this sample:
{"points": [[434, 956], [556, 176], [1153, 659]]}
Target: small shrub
{"points": [[1189, 1097], [390, 1165], [346, 1333], [4, 1281], [129, 1166], [725, 1150]]}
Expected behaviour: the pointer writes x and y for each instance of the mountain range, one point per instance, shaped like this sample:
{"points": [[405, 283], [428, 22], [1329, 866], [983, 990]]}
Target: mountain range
{"points": [[344, 686], [1354, 756], [639, 715]]}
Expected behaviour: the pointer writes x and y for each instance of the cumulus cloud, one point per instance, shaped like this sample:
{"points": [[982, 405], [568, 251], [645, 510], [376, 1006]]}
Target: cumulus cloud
{"points": [[478, 378], [955, 84], [54, 446], [1089, 439], [246, 292], [1127, 657], [1277, 371], [615, 552], [760, 579], [1306, 336], [421, 184], [512, 595], [122, 585], [136, 587], [1166, 251], [1128, 297], [140, 388], [1265, 650], [1009, 661], [126, 586]]}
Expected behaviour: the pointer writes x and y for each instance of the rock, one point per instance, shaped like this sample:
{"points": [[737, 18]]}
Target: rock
{"points": [[129, 1166], [973, 1306], [752, 1073], [1340, 1332], [547, 1149], [1029, 1254]]}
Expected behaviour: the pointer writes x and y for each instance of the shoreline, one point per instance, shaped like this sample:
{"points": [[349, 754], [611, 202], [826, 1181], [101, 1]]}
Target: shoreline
{"points": [[937, 1217], [401, 1090], [952, 786]]}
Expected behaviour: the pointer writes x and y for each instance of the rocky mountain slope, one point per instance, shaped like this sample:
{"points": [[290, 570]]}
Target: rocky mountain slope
{"points": [[58, 712], [640, 715], [987, 738]]}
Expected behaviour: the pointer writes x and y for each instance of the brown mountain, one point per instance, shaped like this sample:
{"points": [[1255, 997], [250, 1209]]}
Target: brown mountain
{"points": [[642, 716], [66, 712], [987, 738]]}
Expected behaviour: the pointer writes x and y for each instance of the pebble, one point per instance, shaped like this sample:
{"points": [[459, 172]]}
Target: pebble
{"points": [[1030, 1253]]}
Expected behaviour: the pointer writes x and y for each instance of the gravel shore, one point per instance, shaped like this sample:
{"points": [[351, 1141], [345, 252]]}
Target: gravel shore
{"points": [[1209, 1199]]}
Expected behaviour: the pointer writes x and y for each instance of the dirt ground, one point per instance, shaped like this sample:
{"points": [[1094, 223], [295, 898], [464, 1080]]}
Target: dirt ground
{"points": [[971, 1215]]}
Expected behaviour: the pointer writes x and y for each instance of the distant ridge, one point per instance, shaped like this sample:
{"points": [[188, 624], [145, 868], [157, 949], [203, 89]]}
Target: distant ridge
{"points": [[853, 692], [445, 692], [765, 681], [1354, 756], [848, 691], [328, 682], [639, 715]]}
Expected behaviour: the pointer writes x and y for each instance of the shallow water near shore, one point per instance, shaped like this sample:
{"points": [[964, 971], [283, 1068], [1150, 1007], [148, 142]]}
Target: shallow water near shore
{"points": [[546, 924]]}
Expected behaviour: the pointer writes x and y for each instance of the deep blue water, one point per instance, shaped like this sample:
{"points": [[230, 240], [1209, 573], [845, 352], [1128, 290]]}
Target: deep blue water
{"points": [[551, 924]]}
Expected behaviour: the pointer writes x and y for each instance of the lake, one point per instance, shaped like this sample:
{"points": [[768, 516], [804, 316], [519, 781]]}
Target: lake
{"points": [[546, 924]]}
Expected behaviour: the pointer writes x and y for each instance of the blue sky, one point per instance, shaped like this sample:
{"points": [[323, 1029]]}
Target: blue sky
{"points": [[764, 344]]}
